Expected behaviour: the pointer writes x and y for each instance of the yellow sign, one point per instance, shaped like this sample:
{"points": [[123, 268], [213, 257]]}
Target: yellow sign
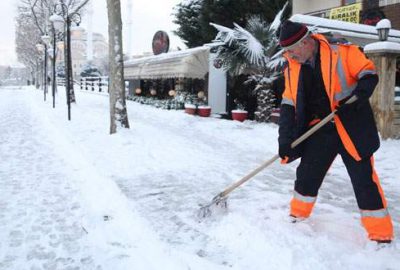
{"points": [[349, 13]]}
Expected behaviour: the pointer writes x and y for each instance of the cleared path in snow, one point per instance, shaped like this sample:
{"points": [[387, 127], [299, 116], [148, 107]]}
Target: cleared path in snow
{"points": [[169, 162], [186, 160]]}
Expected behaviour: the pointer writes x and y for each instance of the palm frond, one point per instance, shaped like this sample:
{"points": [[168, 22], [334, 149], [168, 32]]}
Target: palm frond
{"points": [[278, 19], [249, 46], [225, 34], [252, 48]]}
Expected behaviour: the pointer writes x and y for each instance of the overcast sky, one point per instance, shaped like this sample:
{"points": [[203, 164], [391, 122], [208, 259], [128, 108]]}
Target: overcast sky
{"points": [[7, 14], [148, 16]]}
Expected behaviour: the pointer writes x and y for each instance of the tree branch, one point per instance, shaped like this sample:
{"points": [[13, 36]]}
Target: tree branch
{"points": [[80, 6], [32, 6]]}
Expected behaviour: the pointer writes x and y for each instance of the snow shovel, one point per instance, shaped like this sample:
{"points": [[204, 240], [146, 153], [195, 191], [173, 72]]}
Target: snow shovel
{"points": [[221, 199]]}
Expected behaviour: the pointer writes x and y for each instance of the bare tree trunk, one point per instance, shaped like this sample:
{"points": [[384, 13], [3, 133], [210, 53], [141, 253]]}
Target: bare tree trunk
{"points": [[118, 112]]}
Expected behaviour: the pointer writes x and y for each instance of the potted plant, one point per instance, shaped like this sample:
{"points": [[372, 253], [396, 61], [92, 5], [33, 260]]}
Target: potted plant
{"points": [[190, 105], [203, 109], [190, 108], [240, 114]]}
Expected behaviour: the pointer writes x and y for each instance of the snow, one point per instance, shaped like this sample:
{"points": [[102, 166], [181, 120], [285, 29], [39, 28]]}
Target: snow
{"points": [[167, 56], [383, 46], [239, 111], [75, 197], [277, 20], [346, 28], [383, 24], [190, 106], [253, 49]]}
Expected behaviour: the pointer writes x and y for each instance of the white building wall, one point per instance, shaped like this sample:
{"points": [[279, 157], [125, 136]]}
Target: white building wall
{"points": [[216, 87], [307, 6]]}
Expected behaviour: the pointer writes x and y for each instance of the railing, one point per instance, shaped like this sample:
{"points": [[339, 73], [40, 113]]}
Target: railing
{"points": [[94, 84], [61, 81]]}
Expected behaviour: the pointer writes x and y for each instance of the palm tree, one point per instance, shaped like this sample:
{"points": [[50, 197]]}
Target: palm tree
{"points": [[253, 50]]}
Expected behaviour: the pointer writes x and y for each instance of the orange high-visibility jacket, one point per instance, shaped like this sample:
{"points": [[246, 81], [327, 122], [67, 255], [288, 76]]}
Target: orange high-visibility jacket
{"points": [[342, 65]]}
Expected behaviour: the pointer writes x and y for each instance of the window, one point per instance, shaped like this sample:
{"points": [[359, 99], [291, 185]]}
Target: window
{"points": [[388, 2], [348, 2]]}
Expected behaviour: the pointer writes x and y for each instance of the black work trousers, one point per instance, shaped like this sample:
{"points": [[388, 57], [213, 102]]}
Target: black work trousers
{"points": [[319, 151]]}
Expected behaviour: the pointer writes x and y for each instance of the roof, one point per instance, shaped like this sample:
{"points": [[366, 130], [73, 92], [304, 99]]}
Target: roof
{"points": [[190, 63], [360, 34]]}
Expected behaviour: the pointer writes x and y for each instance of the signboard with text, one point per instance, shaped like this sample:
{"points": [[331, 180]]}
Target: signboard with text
{"points": [[349, 13]]}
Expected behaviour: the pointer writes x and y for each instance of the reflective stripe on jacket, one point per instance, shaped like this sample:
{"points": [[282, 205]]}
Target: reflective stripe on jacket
{"points": [[342, 66]]}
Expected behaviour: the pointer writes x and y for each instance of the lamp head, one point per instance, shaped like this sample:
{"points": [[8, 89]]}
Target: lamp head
{"points": [[40, 47], [58, 22], [46, 39], [383, 27]]}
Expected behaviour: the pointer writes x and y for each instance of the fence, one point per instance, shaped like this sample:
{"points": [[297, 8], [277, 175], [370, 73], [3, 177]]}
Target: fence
{"points": [[61, 81], [94, 84]]}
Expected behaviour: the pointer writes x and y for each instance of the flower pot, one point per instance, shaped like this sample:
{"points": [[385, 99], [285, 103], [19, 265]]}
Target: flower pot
{"points": [[239, 115], [204, 111], [275, 114], [190, 109]]}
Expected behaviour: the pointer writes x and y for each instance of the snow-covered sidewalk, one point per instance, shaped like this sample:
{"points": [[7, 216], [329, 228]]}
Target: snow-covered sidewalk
{"points": [[74, 197], [56, 212]]}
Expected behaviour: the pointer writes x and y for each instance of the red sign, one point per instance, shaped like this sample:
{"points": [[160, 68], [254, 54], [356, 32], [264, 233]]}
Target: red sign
{"points": [[160, 42]]}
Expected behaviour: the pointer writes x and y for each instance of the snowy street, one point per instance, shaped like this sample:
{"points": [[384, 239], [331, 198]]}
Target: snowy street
{"points": [[74, 197]]}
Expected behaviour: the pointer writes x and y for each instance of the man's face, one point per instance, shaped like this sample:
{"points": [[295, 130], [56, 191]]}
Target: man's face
{"points": [[302, 51]]}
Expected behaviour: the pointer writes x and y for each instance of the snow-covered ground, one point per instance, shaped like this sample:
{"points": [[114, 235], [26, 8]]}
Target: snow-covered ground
{"points": [[74, 197]]}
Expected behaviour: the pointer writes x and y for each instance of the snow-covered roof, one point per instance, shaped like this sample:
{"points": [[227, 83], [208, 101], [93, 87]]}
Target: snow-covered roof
{"points": [[361, 34], [190, 63]]}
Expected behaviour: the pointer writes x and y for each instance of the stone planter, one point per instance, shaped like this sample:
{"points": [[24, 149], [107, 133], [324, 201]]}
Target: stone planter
{"points": [[204, 111], [239, 115]]}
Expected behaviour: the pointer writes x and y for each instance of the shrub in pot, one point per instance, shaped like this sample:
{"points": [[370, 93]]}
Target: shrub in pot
{"points": [[239, 115], [190, 108], [204, 110]]}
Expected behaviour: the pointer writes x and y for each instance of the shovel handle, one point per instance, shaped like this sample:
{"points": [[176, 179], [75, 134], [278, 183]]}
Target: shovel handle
{"points": [[319, 125], [248, 176], [275, 157]]}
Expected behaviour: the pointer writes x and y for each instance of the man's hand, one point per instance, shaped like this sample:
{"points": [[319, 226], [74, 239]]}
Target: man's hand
{"points": [[287, 153], [346, 108], [363, 92]]}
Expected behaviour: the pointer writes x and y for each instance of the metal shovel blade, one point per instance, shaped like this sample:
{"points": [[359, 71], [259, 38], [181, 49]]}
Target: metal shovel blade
{"points": [[218, 202]]}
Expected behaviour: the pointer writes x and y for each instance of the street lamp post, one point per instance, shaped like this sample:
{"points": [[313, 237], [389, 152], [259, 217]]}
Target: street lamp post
{"points": [[60, 23], [53, 55], [42, 48], [53, 63], [46, 40]]}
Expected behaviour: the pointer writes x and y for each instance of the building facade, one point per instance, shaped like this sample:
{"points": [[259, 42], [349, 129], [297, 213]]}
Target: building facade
{"points": [[365, 11], [79, 49]]}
